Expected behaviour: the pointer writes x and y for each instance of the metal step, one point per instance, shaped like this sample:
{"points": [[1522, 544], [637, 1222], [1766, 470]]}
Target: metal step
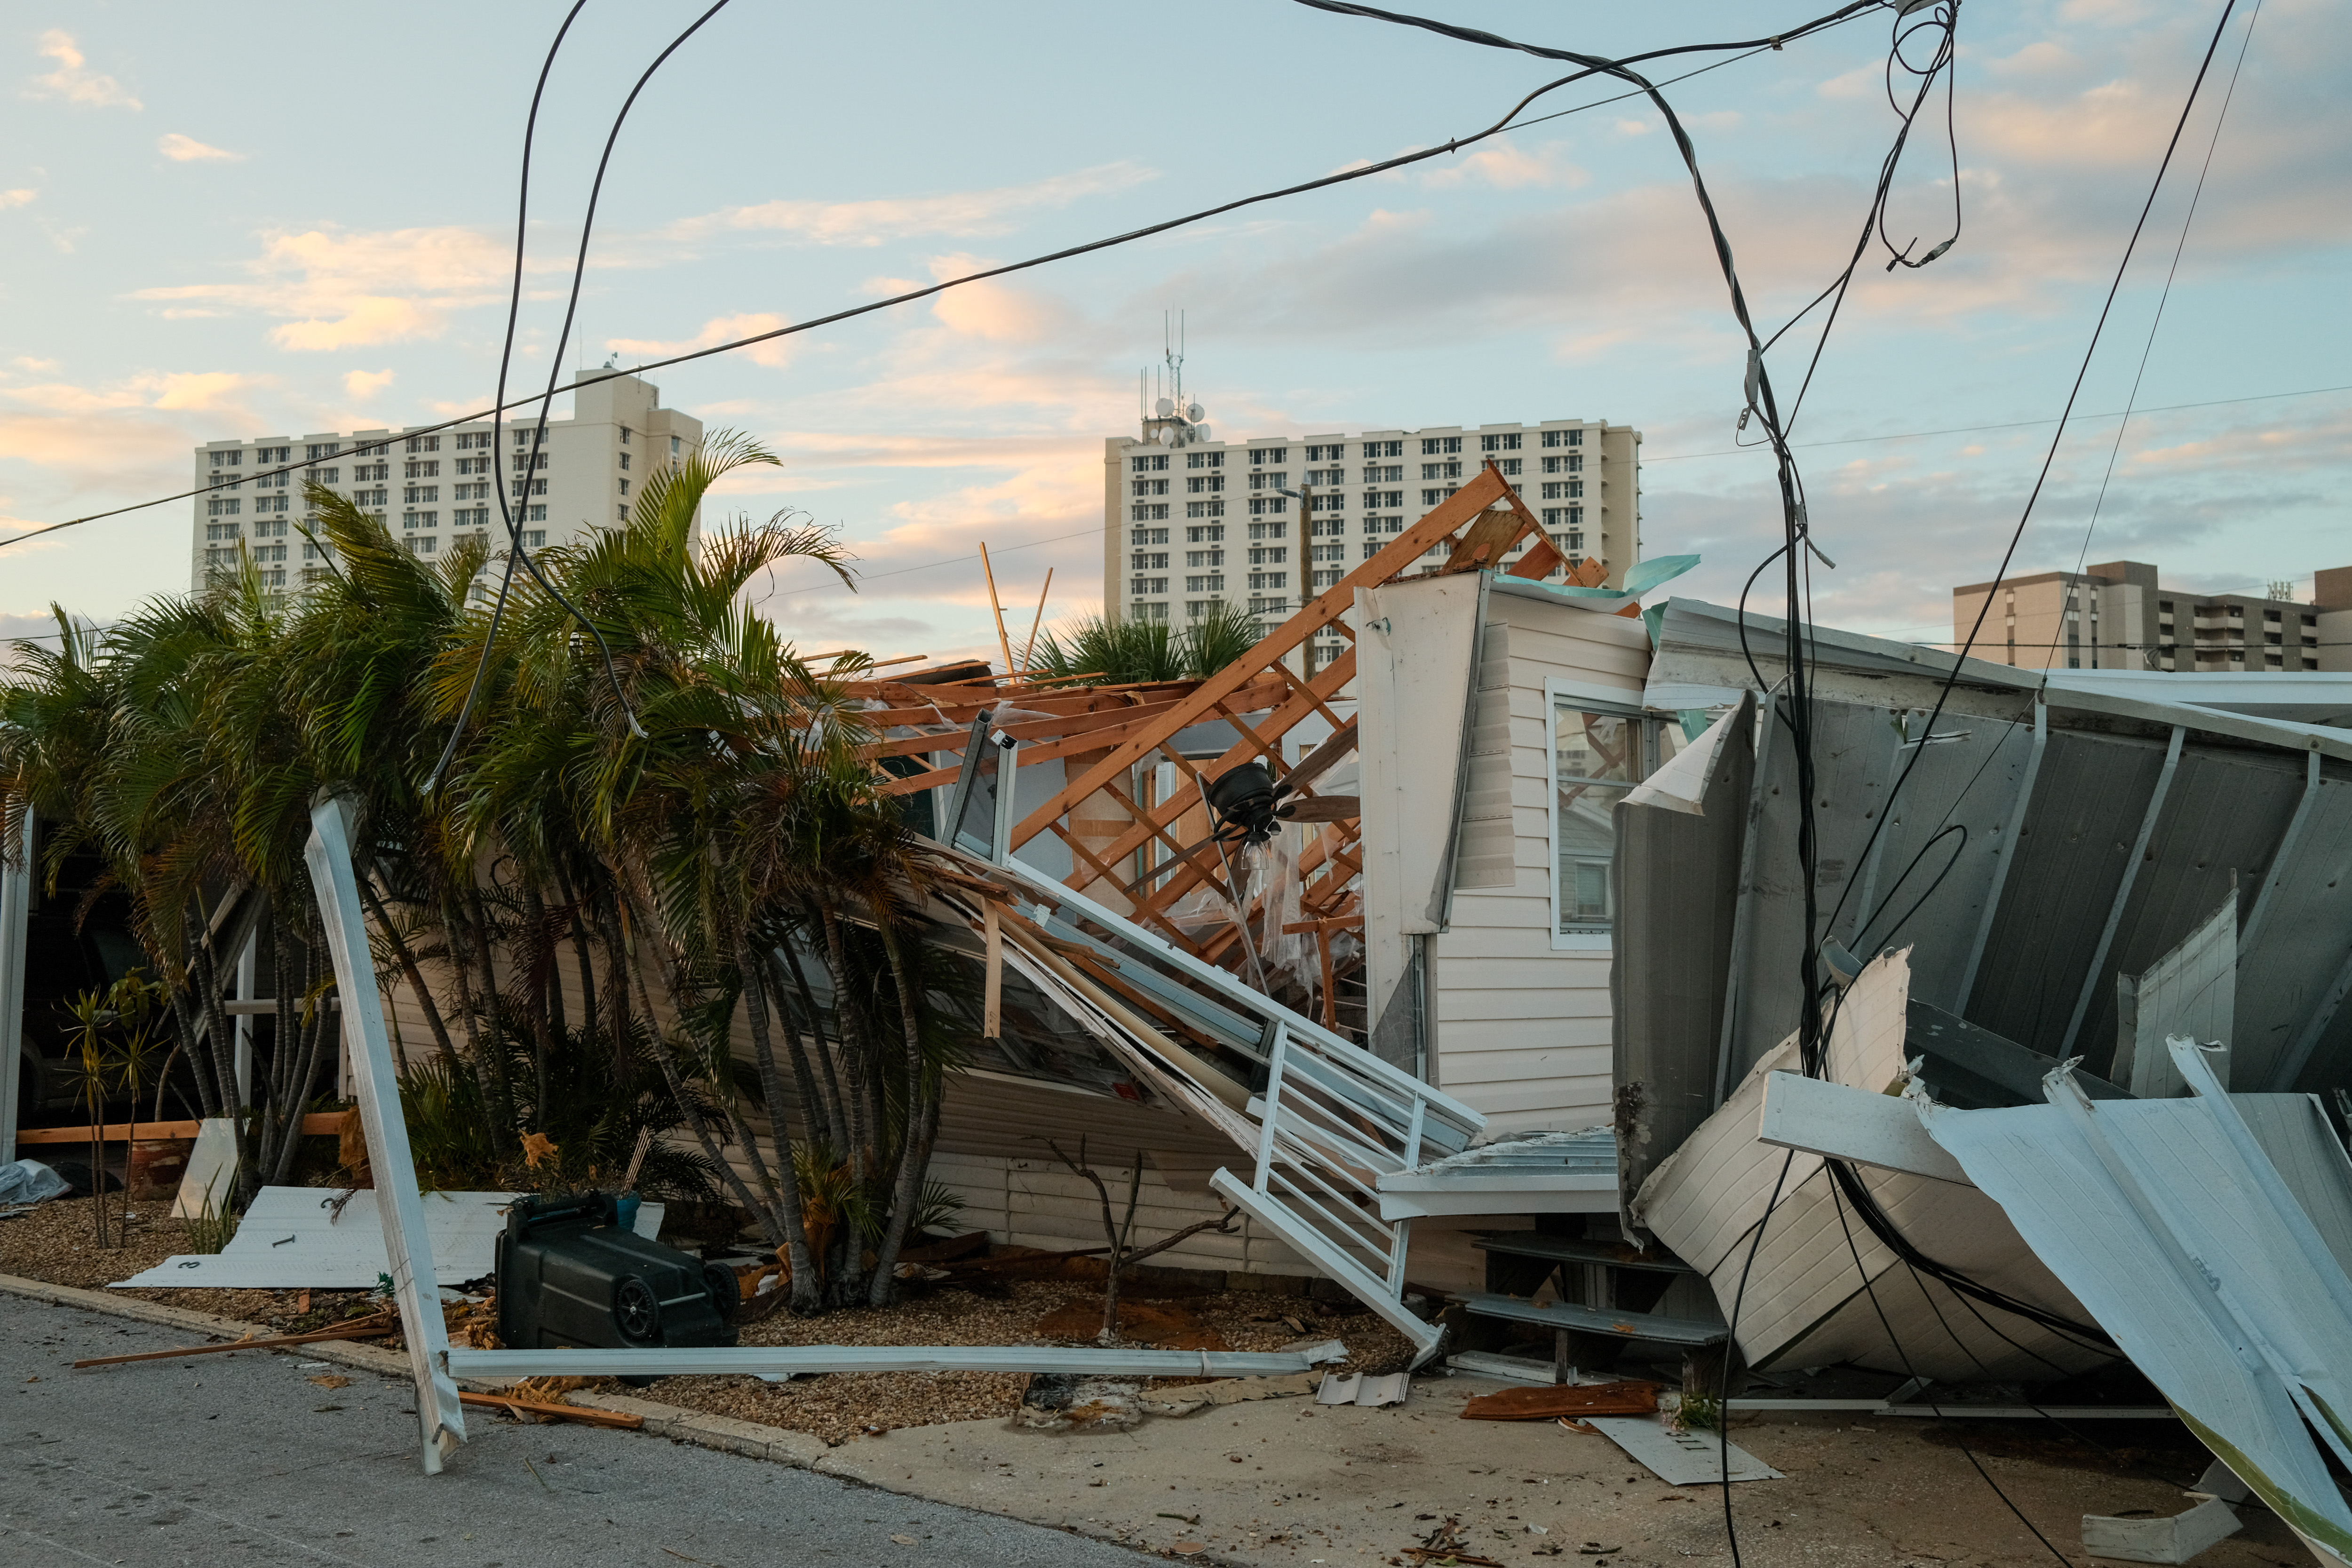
{"points": [[1572, 1250], [1596, 1319]]}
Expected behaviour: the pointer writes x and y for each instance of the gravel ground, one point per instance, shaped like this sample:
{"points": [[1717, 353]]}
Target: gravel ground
{"points": [[846, 1404], [56, 1243]]}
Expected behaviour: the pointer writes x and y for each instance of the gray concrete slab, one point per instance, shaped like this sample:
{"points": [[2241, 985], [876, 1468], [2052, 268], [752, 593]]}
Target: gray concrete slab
{"points": [[240, 1459]]}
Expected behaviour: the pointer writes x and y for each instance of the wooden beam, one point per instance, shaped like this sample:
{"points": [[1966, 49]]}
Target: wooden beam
{"points": [[317, 1123], [1461, 507], [545, 1411]]}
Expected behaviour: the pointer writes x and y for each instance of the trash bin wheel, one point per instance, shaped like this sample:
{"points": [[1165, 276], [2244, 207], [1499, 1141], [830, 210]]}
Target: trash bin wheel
{"points": [[725, 1296], [636, 1310]]}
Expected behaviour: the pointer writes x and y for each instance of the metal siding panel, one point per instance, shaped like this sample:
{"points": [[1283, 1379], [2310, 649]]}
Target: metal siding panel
{"points": [[1852, 746], [1972, 782], [1677, 876], [2224, 815], [2087, 803], [2283, 977]]}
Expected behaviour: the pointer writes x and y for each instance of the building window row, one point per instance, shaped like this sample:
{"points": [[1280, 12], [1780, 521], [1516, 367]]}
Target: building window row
{"points": [[1148, 511]]}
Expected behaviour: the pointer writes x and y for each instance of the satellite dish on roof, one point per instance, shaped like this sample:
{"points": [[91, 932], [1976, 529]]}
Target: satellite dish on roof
{"points": [[1194, 413], [1167, 437], [1166, 406]]}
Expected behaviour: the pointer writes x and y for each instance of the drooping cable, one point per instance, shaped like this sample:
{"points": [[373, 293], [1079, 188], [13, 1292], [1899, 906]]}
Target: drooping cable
{"points": [[2042, 476], [538, 429], [1870, 1291], [1364, 171], [2164, 298]]}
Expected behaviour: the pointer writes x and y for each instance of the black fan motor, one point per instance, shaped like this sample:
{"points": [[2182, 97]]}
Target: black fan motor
{"points": [[1243, 800]]}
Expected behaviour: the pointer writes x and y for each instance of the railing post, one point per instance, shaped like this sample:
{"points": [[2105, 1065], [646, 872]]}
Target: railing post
{"points": [[1273, 1107]]}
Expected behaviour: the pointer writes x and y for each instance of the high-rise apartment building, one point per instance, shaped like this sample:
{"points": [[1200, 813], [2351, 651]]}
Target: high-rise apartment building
{"points": [[432, 491], [2117, 615], [1266, 523]]}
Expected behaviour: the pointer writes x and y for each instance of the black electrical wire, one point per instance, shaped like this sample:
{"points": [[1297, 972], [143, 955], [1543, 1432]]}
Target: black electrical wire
{"points": [[2165, 296], [547, 401], [2050, 457], [1870, 1291], [1760, 399], [1750, 47]]}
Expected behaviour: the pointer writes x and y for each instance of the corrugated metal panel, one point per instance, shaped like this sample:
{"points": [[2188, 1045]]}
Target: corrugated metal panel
{"points": [[2283, 977], [1972, 780], [2088, 801], [2223, 815], [2176, 1232], [1852, 748]]}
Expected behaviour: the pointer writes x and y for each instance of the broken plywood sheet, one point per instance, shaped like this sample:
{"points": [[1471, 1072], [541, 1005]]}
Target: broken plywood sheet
{"points": [[293, 1238], [1682, 1458]]}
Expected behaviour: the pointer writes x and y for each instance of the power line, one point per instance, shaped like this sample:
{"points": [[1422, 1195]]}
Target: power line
{"points": [[1747, 48], [2165, 296], [515, 550], [2010, 425]]}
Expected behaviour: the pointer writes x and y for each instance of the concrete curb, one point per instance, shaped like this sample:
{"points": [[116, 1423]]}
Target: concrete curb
{"points": [[704, 1431]]}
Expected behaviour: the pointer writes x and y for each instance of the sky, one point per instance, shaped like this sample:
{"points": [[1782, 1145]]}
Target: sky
{"points": [[252, 219]]}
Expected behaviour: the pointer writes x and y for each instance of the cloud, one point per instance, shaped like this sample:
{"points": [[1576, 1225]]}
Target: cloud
{"points": [[1507, 167], [994, 311], [185, 391], [16, 198], [959, 213], [359, 385], [358, 288], [71, 82], [715, 330], [188, 149]]}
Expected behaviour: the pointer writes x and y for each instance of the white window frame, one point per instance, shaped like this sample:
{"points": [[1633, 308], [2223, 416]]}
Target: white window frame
{"points": [[1556, 692]]}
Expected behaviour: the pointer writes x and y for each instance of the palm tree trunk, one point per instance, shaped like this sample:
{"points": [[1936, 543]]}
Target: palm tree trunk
{"points": [[538, 959], [712, 1149], [836, 1106], [922, 1125], [587, 966], [478, 930], [409, 971], [771, 1084], [819, 1119], [863, 1126]]}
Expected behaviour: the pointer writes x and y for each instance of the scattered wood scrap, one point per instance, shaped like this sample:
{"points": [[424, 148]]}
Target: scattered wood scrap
{"points": [[518, 1408], [1568, 1400], [358, 1329]]}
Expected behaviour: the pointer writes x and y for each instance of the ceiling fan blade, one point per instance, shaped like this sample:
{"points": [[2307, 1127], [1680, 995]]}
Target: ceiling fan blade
{"points": [[1320, 760], [1321, 808]]}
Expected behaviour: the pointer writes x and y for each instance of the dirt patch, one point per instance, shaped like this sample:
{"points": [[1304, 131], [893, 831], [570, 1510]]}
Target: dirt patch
{"points": [[1140, 1322]]}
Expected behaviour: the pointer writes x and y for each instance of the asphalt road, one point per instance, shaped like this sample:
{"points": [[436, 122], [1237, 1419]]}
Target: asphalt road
{"points": [[240, 1459]]}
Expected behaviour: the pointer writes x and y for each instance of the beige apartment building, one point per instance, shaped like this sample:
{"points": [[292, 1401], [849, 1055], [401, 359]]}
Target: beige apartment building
{"points": [[432, 491], [1189, 521], [2117, 615]]}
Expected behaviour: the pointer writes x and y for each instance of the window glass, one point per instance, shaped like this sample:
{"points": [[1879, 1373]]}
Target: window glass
{"points": [[1597, 755]]}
